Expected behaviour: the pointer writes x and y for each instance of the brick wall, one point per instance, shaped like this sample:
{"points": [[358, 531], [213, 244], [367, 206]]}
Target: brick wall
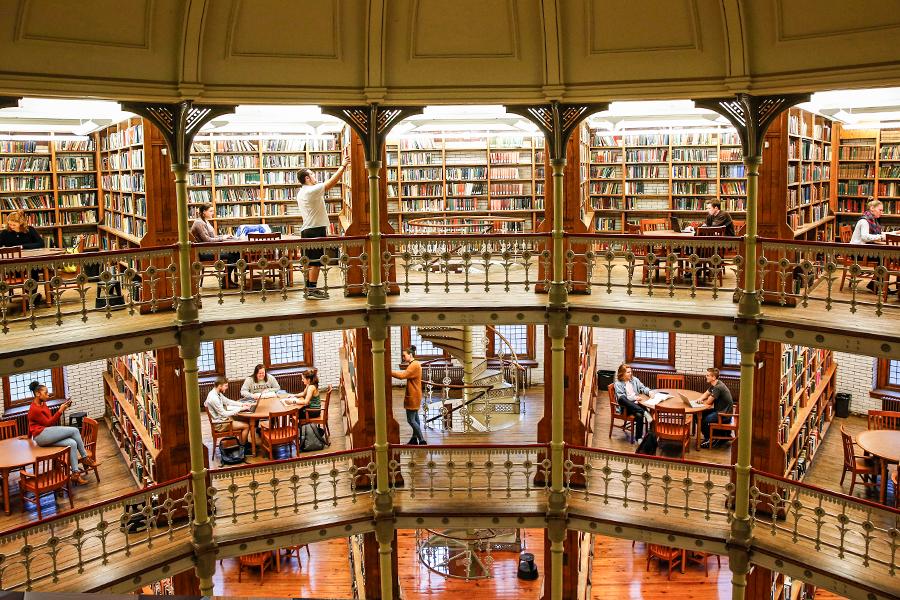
{"points": [[241, 356], [610, 348], [327, 356], [856, 376], [85, 387], [694, 353]]}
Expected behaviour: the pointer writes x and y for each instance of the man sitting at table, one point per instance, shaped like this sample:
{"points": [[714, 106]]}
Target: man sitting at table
{"points": [[716, 217], [717, 399], [628, 388], [221, 409]]}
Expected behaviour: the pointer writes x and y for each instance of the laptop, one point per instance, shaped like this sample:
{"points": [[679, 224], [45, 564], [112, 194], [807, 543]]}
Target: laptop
{"points": [[684, 400], [676, 224]]}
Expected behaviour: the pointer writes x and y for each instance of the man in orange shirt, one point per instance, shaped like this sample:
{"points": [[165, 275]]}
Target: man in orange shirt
{"points": [[413, 398]]}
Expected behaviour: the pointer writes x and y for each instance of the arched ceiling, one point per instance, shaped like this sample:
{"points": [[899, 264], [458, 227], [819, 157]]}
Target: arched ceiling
{"points": [[443, 51]]}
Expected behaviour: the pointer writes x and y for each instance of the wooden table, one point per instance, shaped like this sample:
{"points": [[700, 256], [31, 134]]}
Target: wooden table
{"points": [[16, 453], [676, 402], [885, 444], [667, 233], [263, 408]]}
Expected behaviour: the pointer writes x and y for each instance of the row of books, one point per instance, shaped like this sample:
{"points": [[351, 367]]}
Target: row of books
{"points": [[86, 217], [26, 202], [130, 182], [510, 158], [130, 136], [856, 171], [123, 161], [808, 150], [284, 161], [77, 199], [25, 164], [249, 194], [855, 152], [855, 188], [76, 182], [126, 224], [237, 178], [664, 139], [510, 173], [816, 213], [134, 205], [75, 162], [22, 183]]}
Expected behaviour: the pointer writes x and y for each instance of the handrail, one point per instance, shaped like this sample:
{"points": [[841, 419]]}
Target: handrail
{"points": [[632, 455], [282, 242], [285, 461], [86, 256], [464, 404], [463, 236], [818, 490]]}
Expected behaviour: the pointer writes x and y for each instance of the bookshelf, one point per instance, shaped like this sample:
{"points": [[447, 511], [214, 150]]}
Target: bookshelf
{"points": [[55, 183], [664, 172], [253, 178], [868, 164], [146, 411], [465, 174]]}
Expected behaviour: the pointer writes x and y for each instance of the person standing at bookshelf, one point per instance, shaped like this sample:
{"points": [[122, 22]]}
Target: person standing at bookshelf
{"points": [[412, 400], [202, 230], [716, 217], [868, 228], [311, 201], [19, 233], [717, 399], [44, 429]]}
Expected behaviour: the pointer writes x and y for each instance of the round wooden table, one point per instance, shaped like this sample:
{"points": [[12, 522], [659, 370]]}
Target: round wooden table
{"points": [[16, 453], [885, 444], [675, 402], [263, 408]]}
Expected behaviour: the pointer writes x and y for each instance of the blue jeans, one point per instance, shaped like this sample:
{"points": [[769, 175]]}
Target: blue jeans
{"points": [[412, 417], [63, 436], [708, 419]]}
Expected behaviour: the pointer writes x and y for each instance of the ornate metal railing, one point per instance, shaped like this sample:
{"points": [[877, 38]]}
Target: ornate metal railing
{"points": [[155, 521], [789, 513], [243, 497], [467, 262], [466, 472], [803, 273], [681, 492], [75, 286], [667, 265], [279, 269]]}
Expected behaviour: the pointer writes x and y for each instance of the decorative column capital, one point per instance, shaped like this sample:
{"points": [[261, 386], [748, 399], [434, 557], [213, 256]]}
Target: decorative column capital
{"points": [[557, 121], [179, 122], [371, 122]]}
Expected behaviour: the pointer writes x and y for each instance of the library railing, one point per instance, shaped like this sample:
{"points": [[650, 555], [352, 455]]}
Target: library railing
{"points": [[858, 533], [101, 542], [659, 266], [683, 493], [279, 268], [75, 286], [468, 262], [829, 275]]}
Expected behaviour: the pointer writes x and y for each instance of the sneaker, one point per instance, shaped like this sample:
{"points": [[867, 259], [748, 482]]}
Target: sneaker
{"points": [[704, 444], [316, 294]]}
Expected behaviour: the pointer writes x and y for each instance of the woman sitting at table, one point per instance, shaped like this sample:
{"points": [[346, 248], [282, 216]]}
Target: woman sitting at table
{"points": [[309, 398], [868, 229], [44, 429], [628, 388], [203, 231], [259, 384]]}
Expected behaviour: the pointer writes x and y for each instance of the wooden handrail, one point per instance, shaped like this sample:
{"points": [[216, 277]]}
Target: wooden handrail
{"points": [[821, 491], [296, 459], [632, 456]]}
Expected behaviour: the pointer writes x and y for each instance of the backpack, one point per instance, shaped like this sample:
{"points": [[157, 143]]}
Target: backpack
{"points": [[233, 453], [311, 439], [648, 445]]}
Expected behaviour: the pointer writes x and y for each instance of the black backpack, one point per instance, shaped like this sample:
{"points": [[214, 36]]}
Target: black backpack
{"points": [[311, 439], [233, 452], [648, 445]]}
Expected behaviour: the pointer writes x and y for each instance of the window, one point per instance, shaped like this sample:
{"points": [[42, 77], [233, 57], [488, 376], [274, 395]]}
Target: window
{"points": [[15, 387], [727, 357], [212, 359], [409, 336], [291, 350], [888, 375], [520, 338], [650, 347]]}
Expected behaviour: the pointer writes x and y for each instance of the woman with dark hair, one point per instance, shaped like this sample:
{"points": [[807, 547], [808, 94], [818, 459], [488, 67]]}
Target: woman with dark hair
{"points": [[44, 429], [628, 388], [309, 398], [258, 384], [202, 230]]}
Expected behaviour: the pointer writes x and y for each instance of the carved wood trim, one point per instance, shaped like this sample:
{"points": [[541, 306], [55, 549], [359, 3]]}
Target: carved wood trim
{"points": [[557, 122]]}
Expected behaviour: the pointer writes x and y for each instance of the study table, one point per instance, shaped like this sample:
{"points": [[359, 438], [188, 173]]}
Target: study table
{"points": [[265, 406], [17, 453], [675, 402], [885, 444]]}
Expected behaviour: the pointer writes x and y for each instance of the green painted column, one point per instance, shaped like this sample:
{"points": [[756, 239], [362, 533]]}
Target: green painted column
{"points": [[187, 308]]}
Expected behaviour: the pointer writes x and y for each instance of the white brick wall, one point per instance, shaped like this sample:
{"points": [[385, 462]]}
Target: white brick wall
{"points": [[84, 383], [241, 356], [610, 348], [694, 353], [856, 376], [327, 356], [537, 373]]}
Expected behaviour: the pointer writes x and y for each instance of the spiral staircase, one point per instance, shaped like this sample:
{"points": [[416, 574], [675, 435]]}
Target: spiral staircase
{"points": [[483, 399]]}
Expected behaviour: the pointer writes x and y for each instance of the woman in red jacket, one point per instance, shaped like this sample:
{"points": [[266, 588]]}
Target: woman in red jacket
{"points": [[43, 428]]}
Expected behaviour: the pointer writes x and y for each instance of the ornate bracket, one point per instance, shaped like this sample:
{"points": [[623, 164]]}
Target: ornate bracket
{"points": [[752, 115], [178, 122], [557, 121], [371, 122]]}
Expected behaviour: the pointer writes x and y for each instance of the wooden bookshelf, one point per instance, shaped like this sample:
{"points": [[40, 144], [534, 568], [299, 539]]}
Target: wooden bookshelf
{"points": [[465, 174], [868, 164], [253, 178], [145, 411], [664, 172], [55, 183]]}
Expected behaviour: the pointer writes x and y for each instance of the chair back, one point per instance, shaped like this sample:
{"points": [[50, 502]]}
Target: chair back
{"points": [[49, 472], [261, 237], [251, 256], [884, 419], [672, 382], [718, 231], [847, 443], [283, 425], [325, 403], [89, 430], [7, 253], [654, 225], [846, 234], [8, 430], [632, 228], [672, 424], [739, 227], [614, 407]]}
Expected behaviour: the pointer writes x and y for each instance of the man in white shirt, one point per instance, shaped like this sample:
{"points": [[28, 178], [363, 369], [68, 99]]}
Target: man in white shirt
{"points": [[221, 409], [311, 201]]}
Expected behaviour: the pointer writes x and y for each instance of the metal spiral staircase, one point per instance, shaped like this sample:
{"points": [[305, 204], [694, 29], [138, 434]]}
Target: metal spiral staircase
{"points": [[463, 395]]}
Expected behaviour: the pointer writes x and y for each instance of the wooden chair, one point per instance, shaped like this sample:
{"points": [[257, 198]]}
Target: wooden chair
{"points": [[281, 429], [659, 251], [673, 424], [8, 430], [701, 558], [670, 382], [632, 228], [706, 254], [260, 560], [208, 267], [321, 416], [884, 419], [291, 550], [273, 271], [846, 234], [856, 466], [616, 413], [89, 430], [739, 227], [726, 428], [49, 474], [15, 279], [217, 435], [674, 556]]}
